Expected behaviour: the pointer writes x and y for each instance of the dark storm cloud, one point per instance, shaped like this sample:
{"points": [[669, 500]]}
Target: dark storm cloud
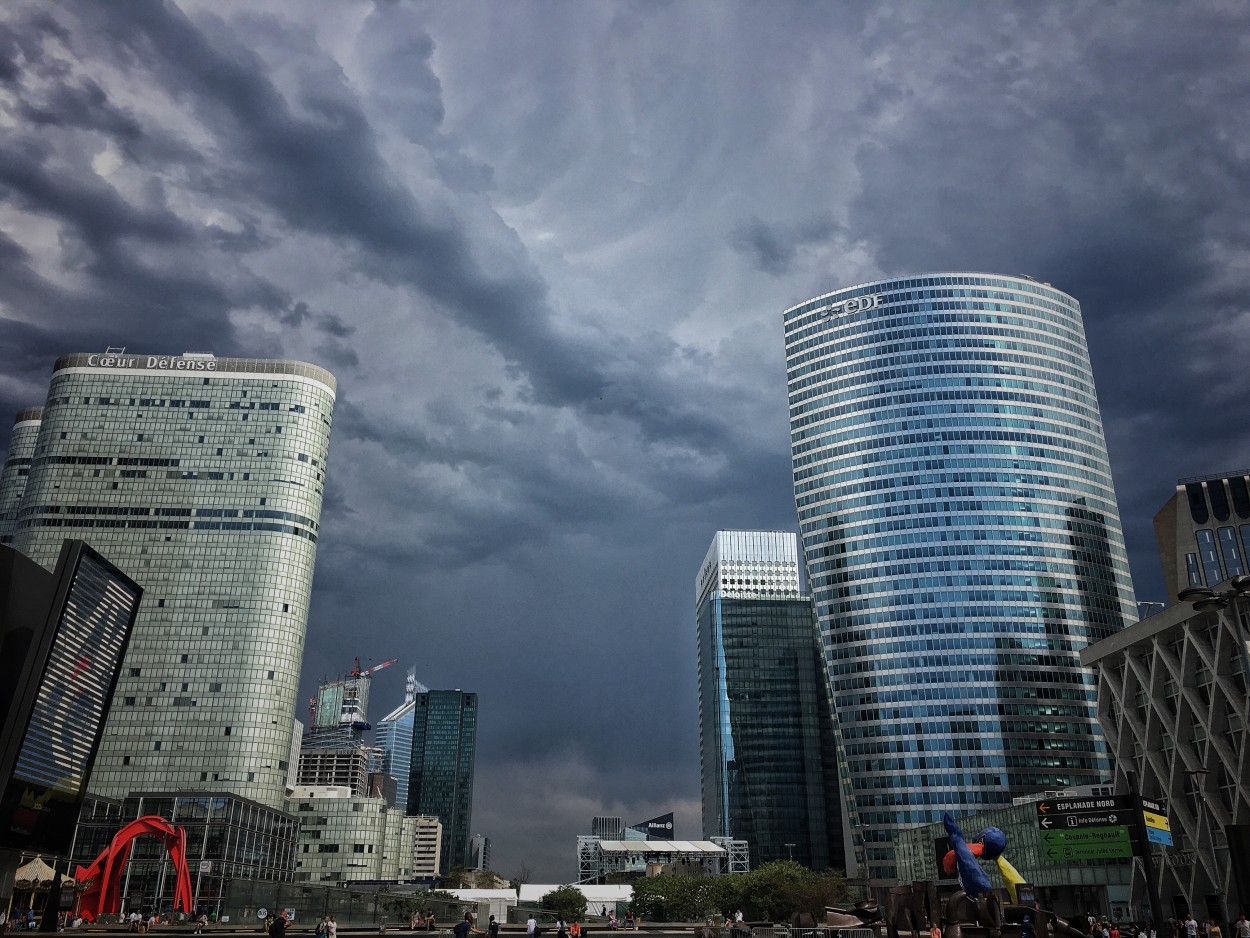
{"points": [[321, 170], [85, 106], [774, 247], [545, 249], [1105, 167]]}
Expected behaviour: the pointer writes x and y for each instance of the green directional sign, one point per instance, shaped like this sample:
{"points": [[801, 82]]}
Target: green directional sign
{"points": [[1060, 854], [1088, 835]]}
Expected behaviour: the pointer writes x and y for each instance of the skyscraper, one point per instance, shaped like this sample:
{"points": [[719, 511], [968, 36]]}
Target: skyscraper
{"points": [[202, 478], [392, 737], [444, 738], [768, 759], [961, 538], [17, 468]]}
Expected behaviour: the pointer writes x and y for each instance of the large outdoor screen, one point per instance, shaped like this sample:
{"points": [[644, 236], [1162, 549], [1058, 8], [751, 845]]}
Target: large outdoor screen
{"points": [[94, 612]]}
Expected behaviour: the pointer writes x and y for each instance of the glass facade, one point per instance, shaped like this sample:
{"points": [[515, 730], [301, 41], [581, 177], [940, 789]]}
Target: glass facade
{"points": [[228, 839], [392, 737], [17, 468], [444, 738], [768, 759], [202, 479], [961, 539]]}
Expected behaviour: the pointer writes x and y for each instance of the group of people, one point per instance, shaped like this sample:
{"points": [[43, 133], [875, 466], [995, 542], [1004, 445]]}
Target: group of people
{"points": [[1187, 927], [422, 920], [21, 919]]}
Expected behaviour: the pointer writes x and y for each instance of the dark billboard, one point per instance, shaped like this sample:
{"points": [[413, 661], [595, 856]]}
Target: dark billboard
{"points": [[658, 828], [71, 663]]}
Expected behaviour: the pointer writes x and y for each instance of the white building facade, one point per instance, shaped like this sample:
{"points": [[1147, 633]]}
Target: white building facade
{"points": [[345, 838]]}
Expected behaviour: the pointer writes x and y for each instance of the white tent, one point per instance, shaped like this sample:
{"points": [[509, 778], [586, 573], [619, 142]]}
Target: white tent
{"points": [[597, 897]]}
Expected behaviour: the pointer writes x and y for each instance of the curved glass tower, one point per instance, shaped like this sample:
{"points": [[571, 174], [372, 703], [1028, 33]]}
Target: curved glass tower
{"points": [[16, 469], [202, 478], [961, 538]]}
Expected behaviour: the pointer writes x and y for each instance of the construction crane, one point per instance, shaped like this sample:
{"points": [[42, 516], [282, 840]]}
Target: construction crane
{"points": [[356, 672]]}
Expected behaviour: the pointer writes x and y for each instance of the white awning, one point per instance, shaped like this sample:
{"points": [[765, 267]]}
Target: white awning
{"points": [[687, 847]]}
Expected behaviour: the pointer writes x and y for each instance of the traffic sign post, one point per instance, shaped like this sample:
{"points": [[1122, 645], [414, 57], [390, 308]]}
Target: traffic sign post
{"points": [[1093, 835], [1105, 851]]}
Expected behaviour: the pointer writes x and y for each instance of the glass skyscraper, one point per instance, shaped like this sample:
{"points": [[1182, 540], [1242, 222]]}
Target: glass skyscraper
{"points": [[440, 783], [392, 737], [202, 478], [961, 539], [17, 468], [768, 758]]}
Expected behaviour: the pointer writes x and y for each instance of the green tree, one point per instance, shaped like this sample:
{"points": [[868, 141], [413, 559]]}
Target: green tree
{"points": [[568, 902], [676, 898], [777, 890]]}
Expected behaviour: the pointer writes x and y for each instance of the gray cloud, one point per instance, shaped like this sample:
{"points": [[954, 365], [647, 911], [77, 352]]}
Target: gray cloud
{"points": [[546, 251]]}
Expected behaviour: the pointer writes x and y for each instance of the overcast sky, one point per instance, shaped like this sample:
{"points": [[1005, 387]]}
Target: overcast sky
{"points": [[545, 247]]}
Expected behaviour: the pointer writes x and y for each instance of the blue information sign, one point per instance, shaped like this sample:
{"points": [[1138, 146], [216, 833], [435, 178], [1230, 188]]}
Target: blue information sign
{"points": [[1157, 836]]}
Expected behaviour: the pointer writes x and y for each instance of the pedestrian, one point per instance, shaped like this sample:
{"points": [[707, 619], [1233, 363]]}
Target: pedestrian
{"points": [[1242, 926], [332, 927], [465, 929], [1026, 927], [1213, 929], [562, 930], [323, 926], [1190, 926], [278, 928], [531, 927], [492, 928]]}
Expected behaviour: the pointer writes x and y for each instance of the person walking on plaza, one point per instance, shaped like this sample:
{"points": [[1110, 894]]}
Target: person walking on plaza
{"points": [[531, 927], [465, 929], [332, 928], [1213, 929], [1191, 926], [1241, 927], [492, 928]]}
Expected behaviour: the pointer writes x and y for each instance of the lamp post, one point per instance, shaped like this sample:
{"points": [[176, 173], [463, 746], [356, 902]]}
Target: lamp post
{"points": [[1206, 599]]}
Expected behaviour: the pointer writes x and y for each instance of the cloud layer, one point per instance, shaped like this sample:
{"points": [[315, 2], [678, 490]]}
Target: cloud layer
{"points": [[545, 249]]}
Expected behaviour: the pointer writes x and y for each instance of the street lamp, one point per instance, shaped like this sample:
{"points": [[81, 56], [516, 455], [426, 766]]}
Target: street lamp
{"points": [[1203, 597]]}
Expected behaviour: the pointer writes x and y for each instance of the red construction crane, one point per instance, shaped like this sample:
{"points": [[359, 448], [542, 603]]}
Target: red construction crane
{"points": [[356, 672]]}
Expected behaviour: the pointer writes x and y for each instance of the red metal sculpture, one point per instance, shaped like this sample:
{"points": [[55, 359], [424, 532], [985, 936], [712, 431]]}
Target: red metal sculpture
{"points": [[103, 895]]}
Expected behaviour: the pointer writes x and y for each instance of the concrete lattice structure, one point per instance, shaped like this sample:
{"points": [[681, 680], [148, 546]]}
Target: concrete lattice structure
{"points": [[203, 479], [1174, 699]]}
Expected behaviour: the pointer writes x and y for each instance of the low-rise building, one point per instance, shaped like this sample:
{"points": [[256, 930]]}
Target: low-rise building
{"points": [[1067, 887], [345, 838]]}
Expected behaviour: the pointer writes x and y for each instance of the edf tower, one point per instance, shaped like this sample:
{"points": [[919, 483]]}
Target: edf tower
{"points": [[961, 539]]}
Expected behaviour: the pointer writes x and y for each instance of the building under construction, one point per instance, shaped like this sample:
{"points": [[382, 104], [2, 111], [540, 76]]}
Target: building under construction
{"points": [[333, 750]]}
